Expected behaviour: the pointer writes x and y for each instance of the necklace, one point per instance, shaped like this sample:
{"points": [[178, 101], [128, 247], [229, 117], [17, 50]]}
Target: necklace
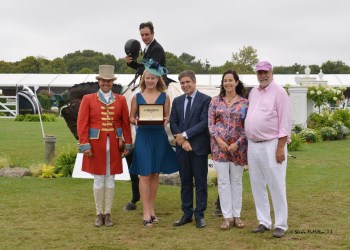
{"points": [[229, 100]]}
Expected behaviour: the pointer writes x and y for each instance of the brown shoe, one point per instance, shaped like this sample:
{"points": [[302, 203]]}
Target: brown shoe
{"points": [[237, 222], [108, 220], [226, 224], [99, 220]]}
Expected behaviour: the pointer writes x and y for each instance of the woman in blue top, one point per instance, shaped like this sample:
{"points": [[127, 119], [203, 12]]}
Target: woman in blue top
{"points": [[152, 151]]}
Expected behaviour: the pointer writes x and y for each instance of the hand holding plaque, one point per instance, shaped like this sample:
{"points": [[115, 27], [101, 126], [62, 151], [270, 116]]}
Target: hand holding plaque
{"points": [[151, 114]]}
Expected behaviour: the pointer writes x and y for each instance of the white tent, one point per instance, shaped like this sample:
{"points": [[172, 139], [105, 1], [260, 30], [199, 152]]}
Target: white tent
{"points": [[68, 80]]}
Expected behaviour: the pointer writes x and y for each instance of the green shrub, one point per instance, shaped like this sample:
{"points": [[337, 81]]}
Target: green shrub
{"points": [[319, 120], [64, 162], [2, 114], [4, 163], [48, 171], [338, 126], [45, 99], [309, 135], [328, 133], [296, 142], [342, 115], [35, 118], [345, 131], [297, 129]]}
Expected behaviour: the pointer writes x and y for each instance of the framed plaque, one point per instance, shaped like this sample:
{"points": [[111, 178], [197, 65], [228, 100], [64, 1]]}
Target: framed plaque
{"points": [[151, 114]]}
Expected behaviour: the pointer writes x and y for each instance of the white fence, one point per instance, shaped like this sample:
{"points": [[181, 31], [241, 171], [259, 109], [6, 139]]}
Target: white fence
{"points": [[9, 107]]}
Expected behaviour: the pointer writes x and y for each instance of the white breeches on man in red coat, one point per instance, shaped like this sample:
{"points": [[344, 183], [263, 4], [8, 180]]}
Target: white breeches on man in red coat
{"points": [[104, 187]]}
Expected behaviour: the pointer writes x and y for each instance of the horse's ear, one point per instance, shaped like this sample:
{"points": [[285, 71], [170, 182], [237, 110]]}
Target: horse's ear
{"points": [[117, 89]]}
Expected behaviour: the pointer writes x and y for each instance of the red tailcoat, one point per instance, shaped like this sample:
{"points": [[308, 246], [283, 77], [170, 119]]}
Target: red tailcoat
{"points": [[96, 120]]}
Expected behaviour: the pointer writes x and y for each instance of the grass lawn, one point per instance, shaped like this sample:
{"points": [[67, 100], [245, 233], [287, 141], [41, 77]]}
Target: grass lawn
{"points": [[21, 143], [38, 213]]}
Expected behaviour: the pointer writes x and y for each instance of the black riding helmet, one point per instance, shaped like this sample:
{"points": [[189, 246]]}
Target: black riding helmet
{"points": [[132, 48]]}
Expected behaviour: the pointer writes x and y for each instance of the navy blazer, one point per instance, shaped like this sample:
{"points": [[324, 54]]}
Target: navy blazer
{"points": [[198, 132]]}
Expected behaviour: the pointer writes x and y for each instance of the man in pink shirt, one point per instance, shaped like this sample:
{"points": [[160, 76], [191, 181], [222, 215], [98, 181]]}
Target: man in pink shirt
{"points": [[268, 129]]}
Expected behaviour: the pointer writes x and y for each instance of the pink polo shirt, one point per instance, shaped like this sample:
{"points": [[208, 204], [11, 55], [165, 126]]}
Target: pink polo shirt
{"points": [[269, 114]]}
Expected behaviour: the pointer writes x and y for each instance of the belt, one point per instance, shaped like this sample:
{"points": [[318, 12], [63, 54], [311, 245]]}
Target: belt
{"points": [[259, 141]]}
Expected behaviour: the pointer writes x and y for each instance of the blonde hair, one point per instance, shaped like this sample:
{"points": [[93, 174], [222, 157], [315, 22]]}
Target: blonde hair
{"points": [[161, 87]]}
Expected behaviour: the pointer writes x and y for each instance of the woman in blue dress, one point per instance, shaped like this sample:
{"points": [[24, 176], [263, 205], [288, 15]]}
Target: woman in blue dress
{"points": [[152, 151]]}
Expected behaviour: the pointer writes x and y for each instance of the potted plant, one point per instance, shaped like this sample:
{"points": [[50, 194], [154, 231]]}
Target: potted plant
{"points": [[309, 135], [328, 133]]}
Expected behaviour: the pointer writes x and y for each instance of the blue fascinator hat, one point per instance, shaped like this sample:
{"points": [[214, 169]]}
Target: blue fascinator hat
{"points": [[154, 67]]}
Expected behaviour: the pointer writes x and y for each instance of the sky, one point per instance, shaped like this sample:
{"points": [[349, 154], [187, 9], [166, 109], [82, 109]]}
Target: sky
{"points": [[282, 31]]}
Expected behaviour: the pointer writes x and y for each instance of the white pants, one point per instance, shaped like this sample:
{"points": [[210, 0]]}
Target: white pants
{"points": [[230, 188], [265, 171]]}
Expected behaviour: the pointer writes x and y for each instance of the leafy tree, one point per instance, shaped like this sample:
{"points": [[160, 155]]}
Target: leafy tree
{"points": [[335, 67], [122, 68], [44, 65], [315, 69], [174, 64], [86, 71], [244, 60], [289, 69], [58, 66], [7, 67], [87, 59], [28, 65], [187, 58]]}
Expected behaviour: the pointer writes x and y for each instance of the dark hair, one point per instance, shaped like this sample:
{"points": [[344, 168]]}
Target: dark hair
{"points": [[147, 25], [188, 73], [240, 90]]}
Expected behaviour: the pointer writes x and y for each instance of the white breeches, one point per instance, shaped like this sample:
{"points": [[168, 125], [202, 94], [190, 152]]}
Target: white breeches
{"points": [[104, 187]]}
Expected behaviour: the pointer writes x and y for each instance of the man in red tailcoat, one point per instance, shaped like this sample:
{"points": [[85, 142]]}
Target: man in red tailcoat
{"points": [[103, 120]]}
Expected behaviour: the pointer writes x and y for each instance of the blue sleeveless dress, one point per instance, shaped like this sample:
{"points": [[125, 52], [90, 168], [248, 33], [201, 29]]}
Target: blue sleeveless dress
{"points": [[152, 150]]}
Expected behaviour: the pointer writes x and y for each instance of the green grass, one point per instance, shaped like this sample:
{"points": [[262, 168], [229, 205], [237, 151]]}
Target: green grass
{"points": [[22, 142], [37, 213]]}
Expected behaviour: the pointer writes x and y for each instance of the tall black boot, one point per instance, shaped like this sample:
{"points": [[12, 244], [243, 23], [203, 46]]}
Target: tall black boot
{"points": [[134, 186]]}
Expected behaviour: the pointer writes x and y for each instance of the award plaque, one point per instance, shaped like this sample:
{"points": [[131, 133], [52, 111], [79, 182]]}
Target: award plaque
{"points": [[151, 114]]}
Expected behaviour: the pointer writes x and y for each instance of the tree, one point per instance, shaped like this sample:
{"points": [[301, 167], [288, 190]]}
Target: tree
{"points": [[87, 59], [174, 64], [335, 67], [58, 66], [86, 71], [44, 65], [245, 60], [7, 67], [28, 65], [187, 58]]}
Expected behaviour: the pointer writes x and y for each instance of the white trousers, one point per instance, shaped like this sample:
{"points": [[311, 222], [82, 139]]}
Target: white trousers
{"points": [[265, 171], [230, 188]]}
